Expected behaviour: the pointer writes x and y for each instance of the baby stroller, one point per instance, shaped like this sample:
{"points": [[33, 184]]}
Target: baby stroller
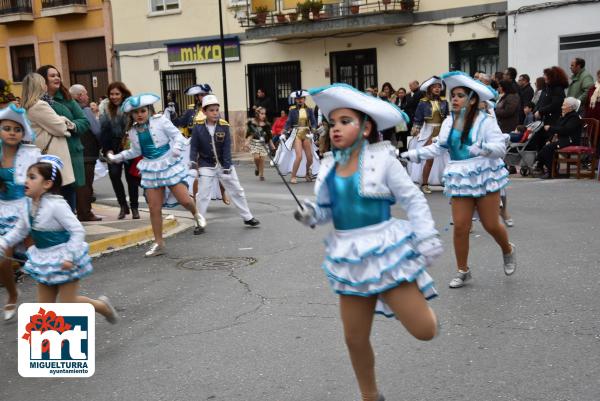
{"points": [[516, 153]]}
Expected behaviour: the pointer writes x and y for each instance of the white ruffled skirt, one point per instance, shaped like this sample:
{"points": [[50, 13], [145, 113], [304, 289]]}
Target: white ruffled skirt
{"points": [[286, 156], [415, 170], [371, 260], [10, 211], [475, 177], [45, 265], [165, 171]]}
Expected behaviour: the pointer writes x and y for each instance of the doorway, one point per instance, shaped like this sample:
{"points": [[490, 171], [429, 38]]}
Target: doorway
{"points": [[470, 56], [278, 80], [357, 68], [87, 65]]}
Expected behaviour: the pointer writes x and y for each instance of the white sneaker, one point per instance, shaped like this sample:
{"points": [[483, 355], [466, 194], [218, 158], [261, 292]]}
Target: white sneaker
{"points": [[510, 261], [460, 279], [155, 250]]}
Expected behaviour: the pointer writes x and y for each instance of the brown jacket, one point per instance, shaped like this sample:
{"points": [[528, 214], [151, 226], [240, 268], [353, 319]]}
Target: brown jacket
{"points": [[48, 125], [507, 112]]}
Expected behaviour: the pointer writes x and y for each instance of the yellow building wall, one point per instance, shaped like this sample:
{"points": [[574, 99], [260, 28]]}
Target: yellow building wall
{"points": [[46, 32]]}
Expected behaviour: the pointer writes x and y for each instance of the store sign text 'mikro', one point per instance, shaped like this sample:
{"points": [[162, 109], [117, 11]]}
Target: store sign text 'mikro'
{"points": [[206, 51]]}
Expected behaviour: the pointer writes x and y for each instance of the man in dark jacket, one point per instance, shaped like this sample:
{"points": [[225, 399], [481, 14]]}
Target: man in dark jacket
{"points": [[91, 149], [412, 101], [210, 153], [525, 93], [566, 132]]}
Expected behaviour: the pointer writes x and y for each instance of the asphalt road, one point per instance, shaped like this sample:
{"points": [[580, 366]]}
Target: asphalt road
{"points": [[195, 327]]}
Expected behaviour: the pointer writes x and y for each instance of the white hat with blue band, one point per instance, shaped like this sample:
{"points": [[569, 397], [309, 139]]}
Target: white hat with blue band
{"points": [[433, 80], [199, 89], [338, 96], [139, 101], [18, 115], [454, 79]]}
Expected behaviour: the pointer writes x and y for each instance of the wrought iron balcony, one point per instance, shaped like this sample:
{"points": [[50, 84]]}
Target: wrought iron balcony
{"points": [[315, 17], [15, 10], [53, 8]]}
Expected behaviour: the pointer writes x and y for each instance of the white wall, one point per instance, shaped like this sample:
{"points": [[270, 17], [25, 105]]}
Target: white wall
{"points": [[533, 38]]}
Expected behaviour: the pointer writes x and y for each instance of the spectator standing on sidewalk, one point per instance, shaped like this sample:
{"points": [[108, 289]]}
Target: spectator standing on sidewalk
{"points": [[592, 109], [525, 94], [65, 106], [113, 138], [90, 140], [581, 80]]}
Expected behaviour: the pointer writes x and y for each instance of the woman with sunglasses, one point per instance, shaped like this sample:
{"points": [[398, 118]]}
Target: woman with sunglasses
{"points": [[476, 173]]}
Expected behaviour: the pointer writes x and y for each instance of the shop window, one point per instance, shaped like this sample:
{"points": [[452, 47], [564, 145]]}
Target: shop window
{"points": [[22, 61]]}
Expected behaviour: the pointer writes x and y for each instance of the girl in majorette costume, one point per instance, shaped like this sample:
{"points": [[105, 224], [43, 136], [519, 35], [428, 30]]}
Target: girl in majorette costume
{"points": [[297, 153], [17, 153], [376, 263], [162, 145], [431, 111], [259, 140], [58, 258], [476, 173]]}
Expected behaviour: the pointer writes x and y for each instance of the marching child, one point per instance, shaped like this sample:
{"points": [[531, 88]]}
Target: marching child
{"points": [[210, 152], [258, 134], [475, 175], [161, 144], [16, 155], [376, 263], [58, 258]]}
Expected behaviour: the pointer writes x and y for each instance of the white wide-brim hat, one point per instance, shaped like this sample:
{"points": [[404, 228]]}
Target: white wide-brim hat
{"points": [[138, 101], [454, 79], [18, 115], [433, 80], [209, 100], [338, 96], [200, 89], [299, 93]]}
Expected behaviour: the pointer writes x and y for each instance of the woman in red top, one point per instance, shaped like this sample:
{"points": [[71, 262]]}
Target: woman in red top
{"points": [[278, 126]]}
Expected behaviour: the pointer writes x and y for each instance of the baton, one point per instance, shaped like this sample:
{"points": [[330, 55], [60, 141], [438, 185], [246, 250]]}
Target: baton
{"points": [[12, 259], [281, 175]]}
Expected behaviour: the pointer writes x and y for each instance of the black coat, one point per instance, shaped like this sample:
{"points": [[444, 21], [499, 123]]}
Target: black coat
{"points": [[550, 103], [412, 102], [568, 129]]}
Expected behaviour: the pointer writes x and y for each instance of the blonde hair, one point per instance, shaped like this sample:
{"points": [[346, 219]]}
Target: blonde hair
{"points": [[33, 89]]}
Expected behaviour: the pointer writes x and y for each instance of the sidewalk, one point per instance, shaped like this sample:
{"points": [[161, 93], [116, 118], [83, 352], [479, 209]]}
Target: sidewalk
{"points": [[112, 234]]}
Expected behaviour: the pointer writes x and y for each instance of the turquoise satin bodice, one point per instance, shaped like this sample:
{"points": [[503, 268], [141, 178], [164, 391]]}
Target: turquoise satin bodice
{"points": [[349, 209], [457, 149], [12, 191], [149, 150], [46, 239]]}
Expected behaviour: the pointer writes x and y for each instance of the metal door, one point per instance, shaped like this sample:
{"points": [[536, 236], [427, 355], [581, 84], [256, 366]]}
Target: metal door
{"points": [[278, 80], [470, 56], [176, 82], [357, 68]]}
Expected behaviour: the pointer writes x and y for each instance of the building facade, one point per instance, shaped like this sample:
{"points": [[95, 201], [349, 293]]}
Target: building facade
{"points": [[73, 35], [167, 45], [543, 34]]}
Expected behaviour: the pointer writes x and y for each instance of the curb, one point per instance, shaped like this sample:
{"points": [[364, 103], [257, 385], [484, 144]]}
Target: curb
{"points": [[130, 238]]}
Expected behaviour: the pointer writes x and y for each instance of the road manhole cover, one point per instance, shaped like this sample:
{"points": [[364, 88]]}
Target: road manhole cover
{"points": [[216, 263]]}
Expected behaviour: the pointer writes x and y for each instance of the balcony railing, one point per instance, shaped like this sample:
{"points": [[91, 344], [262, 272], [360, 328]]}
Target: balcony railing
{"points": [[15, 10], [62, 3], [342, 10], [53, 8]]}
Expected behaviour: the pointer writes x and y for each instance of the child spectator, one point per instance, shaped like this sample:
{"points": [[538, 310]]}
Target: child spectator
{"points": [[528, 111]]}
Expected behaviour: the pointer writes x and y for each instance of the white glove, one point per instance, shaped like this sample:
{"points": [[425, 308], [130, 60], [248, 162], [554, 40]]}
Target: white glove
{"points": [[410, 155], [404, 155], [114, 159], [283, 138], [431, 249], [310, 136], [171, 108], [475, 150], [306, 214]]}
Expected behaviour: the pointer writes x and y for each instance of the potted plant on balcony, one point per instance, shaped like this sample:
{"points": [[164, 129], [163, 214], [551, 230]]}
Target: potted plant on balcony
{"points": [[261, 15], [355, 7], [281, 18], [293, 16], [304, 9], [407, 5], [386, 2], [315, 8]]}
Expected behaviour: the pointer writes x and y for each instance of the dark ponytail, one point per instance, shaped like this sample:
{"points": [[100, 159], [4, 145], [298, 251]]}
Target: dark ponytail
{"points": [[472, 110]]}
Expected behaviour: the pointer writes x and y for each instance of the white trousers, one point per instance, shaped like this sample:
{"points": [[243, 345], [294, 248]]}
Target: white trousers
{"points": [[211, 176]]}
